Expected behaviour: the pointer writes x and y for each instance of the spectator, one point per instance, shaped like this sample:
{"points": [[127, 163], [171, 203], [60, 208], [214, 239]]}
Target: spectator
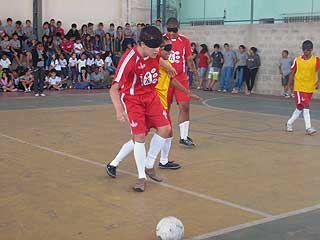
{"points": [[96, 78], [52, 28], [99, 63], [227, 69], [90, 29], [60, 29], [45, 29], [73, 32], [112, 30], [109, 64], [64, 66], [242, 57], [137, 33], [108, 43], [99, 31], [15, 47], [9, 28], [119, 39], [57, 43], [38, 58], [97, 45], [81, 63], [67, 47], [90, 63], [194, 55], [215, 69], [7, 82], [15, 76], [128, 37], [55, 64], [285, 64], [159, 25], [5, 62], [27, 49], [2, 30], [19, 31], [5, 46], [73, 68], [253, 64], [83, 31], [27, 30], [54, 81], [78, 47], [83, 77], [204, 60], [27, 80], [87, 44]]}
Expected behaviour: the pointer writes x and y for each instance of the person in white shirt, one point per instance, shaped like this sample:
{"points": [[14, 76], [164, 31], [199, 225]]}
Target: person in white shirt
{"points": [[5, 62], [55, 64], [78, 47], [81, 62], [54, 80], [90, 63], [64, 65], [99, 62], [73, 67], [109, 64]]}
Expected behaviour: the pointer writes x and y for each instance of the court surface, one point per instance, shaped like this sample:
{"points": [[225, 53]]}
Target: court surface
{"points": [[246, 178]]}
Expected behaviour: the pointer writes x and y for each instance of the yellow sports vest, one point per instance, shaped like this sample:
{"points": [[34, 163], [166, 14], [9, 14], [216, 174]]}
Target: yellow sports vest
{"points": [[306, 75], [163, 86]]}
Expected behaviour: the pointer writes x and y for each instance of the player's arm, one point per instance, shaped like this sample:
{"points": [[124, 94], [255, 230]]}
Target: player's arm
{"points": [[169, 69], [115, 97], [179, 86], [191, 65], [291, 77]]}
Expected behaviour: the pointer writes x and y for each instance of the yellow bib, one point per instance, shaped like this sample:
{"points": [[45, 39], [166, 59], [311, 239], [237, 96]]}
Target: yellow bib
{"points": [[163, 86], [306, 75]]}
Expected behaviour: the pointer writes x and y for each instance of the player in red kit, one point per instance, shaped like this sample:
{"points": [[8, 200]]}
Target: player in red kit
{"points": [[135, 99], [180, 55]]}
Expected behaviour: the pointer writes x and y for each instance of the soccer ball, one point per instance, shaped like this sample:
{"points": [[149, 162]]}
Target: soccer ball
{"points": [[170, 228]]}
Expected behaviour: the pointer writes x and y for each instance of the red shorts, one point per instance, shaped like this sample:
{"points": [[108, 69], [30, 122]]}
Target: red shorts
{"points": [[149, 126], [144, 112], [302, 99], [179, 95]]}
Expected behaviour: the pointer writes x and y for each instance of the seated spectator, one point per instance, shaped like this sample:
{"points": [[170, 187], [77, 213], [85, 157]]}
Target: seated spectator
{"points": [[128, 37], [81, 63], [96, 78], [83, 31], [1, 28], [45, 29], [73, 68], [54, 81], [55, 64], [60, 29], [15, 48], [15, 76], [109, 64], [50, 52], [19, 31], [7, 83], [78, 47], [5, 62], [5, 46], [27, 30], [57, 43], [67, 47], [73, 32], [99, 63], [64, 66], [99, 31], [108, 43], [112, 31], [90, 30], [119, 39], [97, 45], [87, 44], [9, 28], [27, 80], [90, 63], [52, 28]]}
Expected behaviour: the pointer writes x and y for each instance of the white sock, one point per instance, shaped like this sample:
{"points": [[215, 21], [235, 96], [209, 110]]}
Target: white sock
{"points": [[140, 158], [183, 133], [165, 151], [124, 151], [186, 128], [295, 116], [156, 145], [306, 116]]}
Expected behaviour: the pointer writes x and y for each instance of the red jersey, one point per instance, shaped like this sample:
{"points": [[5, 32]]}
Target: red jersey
{"points": [[203, 60], [137, 75], [67, 45], [181, 49]]}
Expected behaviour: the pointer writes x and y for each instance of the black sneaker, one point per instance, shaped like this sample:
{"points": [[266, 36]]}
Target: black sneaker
{"points": [[169, 165], [186, 142], [111, 170], [190, 139]]}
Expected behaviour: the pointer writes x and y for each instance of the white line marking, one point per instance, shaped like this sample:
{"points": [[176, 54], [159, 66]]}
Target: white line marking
{"points": [[179, 189], [255, 223]]}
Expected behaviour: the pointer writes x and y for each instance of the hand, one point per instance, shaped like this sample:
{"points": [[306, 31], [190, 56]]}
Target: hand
{"points": [[122, 116], [194, 71], [194, 97], [171, 72]]}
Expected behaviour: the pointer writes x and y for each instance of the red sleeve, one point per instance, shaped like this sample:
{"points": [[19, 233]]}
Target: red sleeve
{"points": [[294, 66], [125, 67], [188, 48], [318, 64]]}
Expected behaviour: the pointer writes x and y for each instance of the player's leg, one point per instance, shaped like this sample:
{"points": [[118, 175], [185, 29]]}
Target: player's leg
{"points": [[295, 115]]}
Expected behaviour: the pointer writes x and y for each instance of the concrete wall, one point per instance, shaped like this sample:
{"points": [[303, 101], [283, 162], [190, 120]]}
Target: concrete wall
{"points": [[79, 11], [270, 39]]}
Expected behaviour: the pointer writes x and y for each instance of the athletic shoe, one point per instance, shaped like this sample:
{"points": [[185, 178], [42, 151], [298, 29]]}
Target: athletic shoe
{"points": [[311, 131], [37, 95], [186, 142], [111, 170], [169, 165], [140, 185], [292, 95], [289, 127], [190, 139], [42, 95], [151, 173]]}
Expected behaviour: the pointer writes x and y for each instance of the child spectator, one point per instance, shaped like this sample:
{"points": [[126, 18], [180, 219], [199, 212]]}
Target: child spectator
{"points": [[204, 60], [15, 47], [5, 46], [285, 64], [55, 64], [128, 37], [227, 69], [64, 66], [83, 77], [52, 28], [27, 80], [96, 78], [119, 39], [73, 32], [97, 44], [45, 29], [73, 68], [81, 62], [90, 63], [5, 62], [9, 28], [109, 64], [242, 57], [90, 29], [99, 31], [60, 29], [19, 31], [108, 43], [15, 76], [99, 63], [253, 64], [31, 44], [83, 31], [28, 30], [112, 30], [87, 44], [215, 69], [54, 81], [78, 47], [7, 83], [57, 43], [67, 47]]}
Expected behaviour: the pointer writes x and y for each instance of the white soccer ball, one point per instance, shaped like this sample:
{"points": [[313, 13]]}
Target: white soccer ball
{"points": [[170, 228]]}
